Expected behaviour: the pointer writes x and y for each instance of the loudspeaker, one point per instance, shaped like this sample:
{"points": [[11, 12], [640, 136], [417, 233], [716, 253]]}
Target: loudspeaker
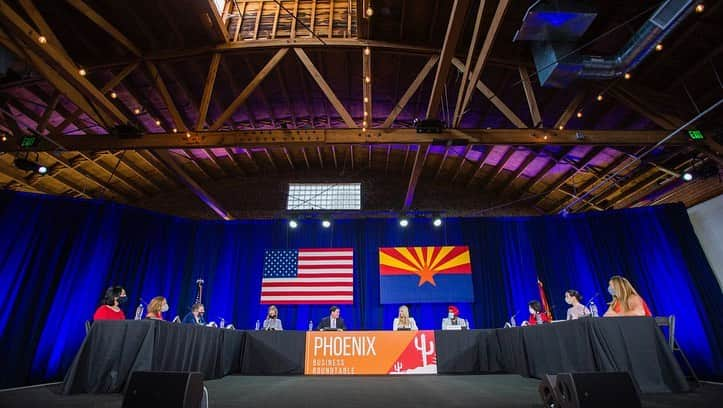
{"points": [[596, 390], [548, 391], [155, 389]]}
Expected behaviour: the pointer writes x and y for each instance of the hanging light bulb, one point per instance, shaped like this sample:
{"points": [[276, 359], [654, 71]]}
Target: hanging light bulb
{"points": [[137, 111], [659, 47], [367, 51], [158, 122], [113, 95], [370, 11], [42, 39], [579, 114], [82, 72], [699, 8], [599, 98], [627, 75]]}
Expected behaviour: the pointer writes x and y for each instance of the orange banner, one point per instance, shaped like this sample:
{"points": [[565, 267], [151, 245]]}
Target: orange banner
{"points": [[370, 352]]}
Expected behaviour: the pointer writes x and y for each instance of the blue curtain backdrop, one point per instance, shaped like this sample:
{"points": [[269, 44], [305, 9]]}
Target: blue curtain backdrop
{"points": [[57, 256]]}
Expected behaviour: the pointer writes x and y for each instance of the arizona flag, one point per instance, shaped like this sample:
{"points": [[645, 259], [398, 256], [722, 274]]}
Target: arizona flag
{"points": [[425, 274]]}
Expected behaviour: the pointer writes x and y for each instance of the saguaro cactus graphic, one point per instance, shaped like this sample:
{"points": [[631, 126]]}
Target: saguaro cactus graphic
{"points": [[426, 349], [397, 367]]}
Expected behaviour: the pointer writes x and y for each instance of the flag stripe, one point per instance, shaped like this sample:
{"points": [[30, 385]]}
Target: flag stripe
{"points": [[308, 276]]}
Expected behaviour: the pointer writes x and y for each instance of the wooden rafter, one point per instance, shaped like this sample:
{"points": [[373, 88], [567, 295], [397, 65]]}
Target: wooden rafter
{"points": [[468, 65], [462, 160], [500, 166], [213, 159], [551, 162], [419, 159], [571, 172], [306, 157], [454, 29], [367, 119], [321, 157], [441, 163], [235, 161], [330, 95], [530, 96], [571, 108], [288, 157], [532, 155], [271, 159], [482, 159], [484, 53], [160, 85], [241, 98], [208, 91], [413, 87]]}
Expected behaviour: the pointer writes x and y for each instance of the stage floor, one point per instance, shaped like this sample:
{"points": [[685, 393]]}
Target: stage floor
{"points": [[506, 390]]}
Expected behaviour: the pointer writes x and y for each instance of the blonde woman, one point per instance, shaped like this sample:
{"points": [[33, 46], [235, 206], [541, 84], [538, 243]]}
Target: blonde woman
{"points": [[272, 321], [403, 321], [156, 307], [626, 301]]}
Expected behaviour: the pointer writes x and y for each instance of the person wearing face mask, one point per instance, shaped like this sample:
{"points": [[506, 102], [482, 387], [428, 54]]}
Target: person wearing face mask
{"points": [[536, 314], [626, 301], [272, 321], [110, 309], [453, 321], [196, 316], [156, 307], [577, 309], [403, 321]]}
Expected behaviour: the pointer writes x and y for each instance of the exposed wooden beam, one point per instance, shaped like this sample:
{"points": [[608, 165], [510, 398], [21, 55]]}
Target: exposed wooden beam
{"points": [[208, 91], [531, 156], [530, 96], [494, 99], [551, 162], [241, 98], [454, 29], [462, 160], [104, 25], [40, 23], [271, 159], [413, 87], [389, 153], [300, 137], [19, 177], [643, 110], [69, 70], [419, 159], [368, 114], [267, 106], [330, 95], [213, 159], [321, 157], [468, 65], [191, 157], [217, 24], [288, 157], [75, 168], [167, 158], [481, 162], [500, 166], [306, 157], [441, 163], [236, 162], [160, 85], [157, 165], [484, 53], [571, 108], [572, 171]]}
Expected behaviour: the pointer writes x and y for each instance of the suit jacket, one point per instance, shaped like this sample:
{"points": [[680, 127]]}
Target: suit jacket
{"points": [[325, 323], [190, 319]]}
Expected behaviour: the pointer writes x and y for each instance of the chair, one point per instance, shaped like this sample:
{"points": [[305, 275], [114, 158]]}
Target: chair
{"points": [[87, 327], [669, 322]]}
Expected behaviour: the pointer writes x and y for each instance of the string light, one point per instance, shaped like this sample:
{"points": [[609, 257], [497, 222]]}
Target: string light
{"points": [[599, 98], [367, 51], [699, 8], [188, 135], [370, 11], [137, 111], [545, 137], [364, 129], [627, 75], [368, 79], [42, 39], [82, 72], [366, 114], [4, 138], [113, 95], [559, 127], [175, 130], [659, 47], [579, 114], [366, 99], [158, 122]]}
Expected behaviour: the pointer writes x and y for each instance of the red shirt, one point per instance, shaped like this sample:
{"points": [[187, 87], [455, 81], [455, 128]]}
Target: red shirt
{"points": [[106, 313], [533, 320], [618, 308]]}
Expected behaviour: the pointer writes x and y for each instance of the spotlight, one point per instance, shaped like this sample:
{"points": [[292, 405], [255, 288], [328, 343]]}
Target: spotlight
{"points": [[293, 224], [437, 222], [326, 223], [659, 47], [28, 165], [599, 98], [403, 223], [699, 8], [42, 39], [687, 176], [627, 75]]}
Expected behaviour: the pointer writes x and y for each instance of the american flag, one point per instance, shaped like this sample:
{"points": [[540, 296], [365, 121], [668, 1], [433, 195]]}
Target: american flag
{"points": [[308, 276]]}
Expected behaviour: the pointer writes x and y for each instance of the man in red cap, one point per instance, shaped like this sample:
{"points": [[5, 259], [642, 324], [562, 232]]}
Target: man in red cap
{"points": [[453, 321]]}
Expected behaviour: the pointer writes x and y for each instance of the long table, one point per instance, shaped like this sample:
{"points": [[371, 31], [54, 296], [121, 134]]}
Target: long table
{"points": [[113, 350]]}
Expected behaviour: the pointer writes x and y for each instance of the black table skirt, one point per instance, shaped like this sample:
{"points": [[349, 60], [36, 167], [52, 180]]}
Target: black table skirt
{"points": [[114, 349]]}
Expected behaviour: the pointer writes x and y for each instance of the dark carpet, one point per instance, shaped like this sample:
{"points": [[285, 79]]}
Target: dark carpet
{"points": [[341, 392]]}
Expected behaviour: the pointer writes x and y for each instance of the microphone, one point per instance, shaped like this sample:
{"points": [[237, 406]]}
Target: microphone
{"points": [[595, 296], [140, 299]]}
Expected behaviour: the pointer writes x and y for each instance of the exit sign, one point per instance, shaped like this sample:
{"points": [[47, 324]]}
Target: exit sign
{"points": [[696, 134], [28, 141]]}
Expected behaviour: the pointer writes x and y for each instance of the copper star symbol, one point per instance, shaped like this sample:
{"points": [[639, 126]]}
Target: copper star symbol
{"points": [[426, 275]]}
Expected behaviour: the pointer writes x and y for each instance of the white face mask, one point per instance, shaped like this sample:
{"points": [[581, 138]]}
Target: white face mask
{"points": [[532, 311], [450, 315], [164, 308]]}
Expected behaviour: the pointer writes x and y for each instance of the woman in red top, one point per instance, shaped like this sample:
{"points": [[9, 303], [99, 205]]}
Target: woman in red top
{"points": [[536, 313], [156, 307], [110, 305], [626, 301]]}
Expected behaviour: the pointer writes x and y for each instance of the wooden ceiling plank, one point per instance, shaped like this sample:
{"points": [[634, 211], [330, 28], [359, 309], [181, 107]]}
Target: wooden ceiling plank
{"points": [[208, 91], [530, 96], [468, 65], [419, 159]]}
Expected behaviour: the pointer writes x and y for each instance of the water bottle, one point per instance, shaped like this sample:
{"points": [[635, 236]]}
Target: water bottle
{"points": [[139, 312], [311, 325], [513, 322], [257, 324], [593, 310], [538, 318], [222, 324]]}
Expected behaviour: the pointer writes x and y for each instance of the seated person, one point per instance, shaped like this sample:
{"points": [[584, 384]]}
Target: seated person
{"points": [[196, 316], [272, 321], [403, 321], [577, 309], [453, 319], [537, 315], [156, 307], [626, 301], [109, 308], [333, 321]]}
